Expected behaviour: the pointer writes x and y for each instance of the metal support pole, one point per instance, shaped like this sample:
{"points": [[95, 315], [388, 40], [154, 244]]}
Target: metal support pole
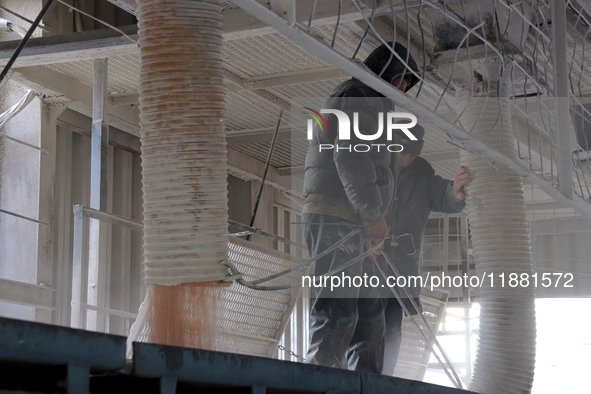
{"points": [[563, 149], [77, 261], [467, 342], [114, 219], [22, 217], [466, 299], [445, 249], [97, 249], [269, 157]]}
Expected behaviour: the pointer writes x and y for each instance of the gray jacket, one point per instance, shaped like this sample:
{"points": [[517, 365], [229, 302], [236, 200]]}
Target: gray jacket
{"points": [[419, 193], [361, 182]]}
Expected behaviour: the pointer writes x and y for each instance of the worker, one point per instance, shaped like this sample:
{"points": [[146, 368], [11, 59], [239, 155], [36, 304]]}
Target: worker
{"points": [[418, 192], [346, 190]]}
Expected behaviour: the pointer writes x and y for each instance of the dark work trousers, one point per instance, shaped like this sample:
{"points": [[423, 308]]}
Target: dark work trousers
{"points": [[393, 337], [347, 321]]}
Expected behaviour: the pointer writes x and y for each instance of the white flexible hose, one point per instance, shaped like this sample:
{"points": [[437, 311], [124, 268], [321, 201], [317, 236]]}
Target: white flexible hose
{"points": [[12, 27], [16, 108], [500, 238], [183, 144]]}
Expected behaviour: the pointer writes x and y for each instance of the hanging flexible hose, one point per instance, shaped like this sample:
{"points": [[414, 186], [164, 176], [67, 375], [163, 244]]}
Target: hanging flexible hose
{"points": [[184, 170], [183, 145], [500, 238]]}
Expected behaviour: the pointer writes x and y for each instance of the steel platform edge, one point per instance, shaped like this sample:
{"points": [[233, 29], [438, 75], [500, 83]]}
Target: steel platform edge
{"points": [[43, 358]]}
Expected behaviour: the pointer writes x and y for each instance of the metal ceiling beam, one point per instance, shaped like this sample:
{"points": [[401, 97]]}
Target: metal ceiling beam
{"points": [[294, 78], [124, 99], [283, 79], [239, 24], [273, 99], [51, 83], [71, 47], [328, 54], [127, 5], [235, 83]]}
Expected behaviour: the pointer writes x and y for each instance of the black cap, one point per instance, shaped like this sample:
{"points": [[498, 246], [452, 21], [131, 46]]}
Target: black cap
{"points": [[379, 58]]}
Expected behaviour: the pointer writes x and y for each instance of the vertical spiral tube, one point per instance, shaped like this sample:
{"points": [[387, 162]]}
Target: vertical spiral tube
{"points": [[183, 146], [500, 237]]}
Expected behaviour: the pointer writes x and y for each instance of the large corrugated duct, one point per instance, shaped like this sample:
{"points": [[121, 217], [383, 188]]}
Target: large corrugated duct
{"points": [[184, 166], [500, 238]]}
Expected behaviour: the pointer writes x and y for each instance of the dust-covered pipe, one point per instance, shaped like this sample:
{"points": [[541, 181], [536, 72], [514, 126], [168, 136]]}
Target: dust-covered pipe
{"points": [[183, 146], [184, 171], [500, 238]]}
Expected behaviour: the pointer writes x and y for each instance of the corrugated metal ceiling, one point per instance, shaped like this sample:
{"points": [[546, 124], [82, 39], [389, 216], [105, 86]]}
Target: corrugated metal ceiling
{"points": [[271, 55]]}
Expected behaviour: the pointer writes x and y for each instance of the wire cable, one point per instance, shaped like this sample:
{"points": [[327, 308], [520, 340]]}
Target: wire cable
{"points": [[309, 261], [25, 39], [312, 14], [305, 263], [336, 29], [267, 164], [373, 11], [238, 276]]}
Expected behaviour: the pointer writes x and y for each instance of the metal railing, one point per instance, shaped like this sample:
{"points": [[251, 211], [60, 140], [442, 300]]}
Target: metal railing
{"points": [[80, 265], [80, 271], [528, 54]]}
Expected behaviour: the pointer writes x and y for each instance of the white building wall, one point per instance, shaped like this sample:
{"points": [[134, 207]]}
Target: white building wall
{"points": [[19, 193]]}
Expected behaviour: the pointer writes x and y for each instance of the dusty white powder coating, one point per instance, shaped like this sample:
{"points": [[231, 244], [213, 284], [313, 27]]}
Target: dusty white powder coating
{"points": [[183, 145], [500, 238]]}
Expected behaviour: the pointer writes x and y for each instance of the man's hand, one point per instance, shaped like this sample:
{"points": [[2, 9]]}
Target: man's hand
{"points": [[462, 178], [375, 234]]}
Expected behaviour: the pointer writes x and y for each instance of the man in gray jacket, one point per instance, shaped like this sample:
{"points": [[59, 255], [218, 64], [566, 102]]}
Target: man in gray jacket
{"points": [[418, 192], [348, 189]]}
